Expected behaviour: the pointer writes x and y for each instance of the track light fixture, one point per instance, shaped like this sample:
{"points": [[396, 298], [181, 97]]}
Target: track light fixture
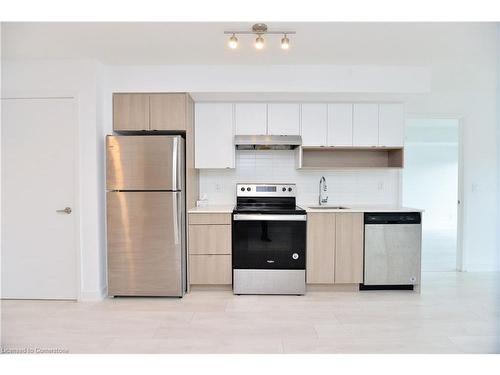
{"points": [[259, 42], [285, 42], [233, 42], [259, 29]]}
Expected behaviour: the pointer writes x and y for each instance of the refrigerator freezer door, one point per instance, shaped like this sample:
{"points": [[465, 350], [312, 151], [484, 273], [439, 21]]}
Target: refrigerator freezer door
{"points": [[144, 162], [146, 247]]}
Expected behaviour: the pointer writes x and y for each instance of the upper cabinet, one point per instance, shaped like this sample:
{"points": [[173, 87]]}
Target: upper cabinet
{"points": [[340, 124], [391, 125], [214, 135], [314, 121], [283, 119], [267, 119], [167, 111], [130, 112], [250, 118], [143, 112], [358, 125], [365, 125], [334, 135]]}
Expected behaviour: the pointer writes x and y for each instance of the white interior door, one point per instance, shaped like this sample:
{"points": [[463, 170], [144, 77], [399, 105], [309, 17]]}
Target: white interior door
{"points": [[39, 254]]}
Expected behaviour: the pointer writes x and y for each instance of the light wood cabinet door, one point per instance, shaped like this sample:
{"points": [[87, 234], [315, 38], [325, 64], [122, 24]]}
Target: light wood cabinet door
{"points": [[209, 239], [340, 124], [349, 232], [314, 124], [250, 118], [214, 135], [391, 125], [197, 218], [320, 248], [210, 269], [168, 111], [365, 125], [283, 119], [130, 112]]}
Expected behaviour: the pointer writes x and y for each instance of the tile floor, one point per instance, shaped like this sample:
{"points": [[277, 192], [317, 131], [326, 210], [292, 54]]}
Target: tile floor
{"points": [[455, 313]]}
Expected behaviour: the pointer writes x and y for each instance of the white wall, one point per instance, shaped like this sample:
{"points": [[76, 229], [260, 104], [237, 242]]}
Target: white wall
{"points": [[498, 141], [277, 78], [377, 187]]}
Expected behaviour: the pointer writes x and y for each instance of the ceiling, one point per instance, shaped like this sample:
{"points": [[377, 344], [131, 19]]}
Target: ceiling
{"points": [[203, 43]]}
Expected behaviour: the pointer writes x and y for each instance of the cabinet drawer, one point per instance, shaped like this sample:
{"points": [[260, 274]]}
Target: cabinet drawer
{"points": [[209, 239], [195, 219], [210, 269]]}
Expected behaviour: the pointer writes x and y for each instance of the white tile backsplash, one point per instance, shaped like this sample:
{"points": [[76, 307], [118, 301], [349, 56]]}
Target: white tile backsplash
{"points": [[371, 187]]}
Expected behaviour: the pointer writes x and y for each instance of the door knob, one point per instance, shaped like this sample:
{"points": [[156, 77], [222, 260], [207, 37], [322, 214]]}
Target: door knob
{"points": [[67, 210]]}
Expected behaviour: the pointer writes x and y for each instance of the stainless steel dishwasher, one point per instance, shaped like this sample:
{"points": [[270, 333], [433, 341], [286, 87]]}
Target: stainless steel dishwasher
{"points": [[393, 242]]}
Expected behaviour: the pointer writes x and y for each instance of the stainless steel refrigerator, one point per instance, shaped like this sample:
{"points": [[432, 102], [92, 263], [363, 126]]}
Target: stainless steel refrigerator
{"points": [[146, 240]]}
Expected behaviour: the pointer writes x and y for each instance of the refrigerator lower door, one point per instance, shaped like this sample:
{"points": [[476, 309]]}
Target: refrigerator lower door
{"points": [[146, 244], [144, 162]]}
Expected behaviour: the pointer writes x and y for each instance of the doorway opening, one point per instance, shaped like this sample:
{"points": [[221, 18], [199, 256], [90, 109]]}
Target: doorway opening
{"points": [[431, 181]]}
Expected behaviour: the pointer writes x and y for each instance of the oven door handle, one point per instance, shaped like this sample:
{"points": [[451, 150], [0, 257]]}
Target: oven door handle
{"points": [[264, 217]]}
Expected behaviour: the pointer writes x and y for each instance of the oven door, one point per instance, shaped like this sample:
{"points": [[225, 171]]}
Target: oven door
{"points": [[263, 241]]}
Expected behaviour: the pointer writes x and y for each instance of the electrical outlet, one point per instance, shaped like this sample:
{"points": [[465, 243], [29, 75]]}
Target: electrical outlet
{"points": [[218, 188], [381, 186]]}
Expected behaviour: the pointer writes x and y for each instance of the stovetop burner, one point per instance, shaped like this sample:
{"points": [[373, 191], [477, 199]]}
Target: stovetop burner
{"points": [[269, 210], [267, 199]]}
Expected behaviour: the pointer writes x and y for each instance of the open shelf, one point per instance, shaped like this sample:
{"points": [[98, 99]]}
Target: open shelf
{"points": [[349, 157]]}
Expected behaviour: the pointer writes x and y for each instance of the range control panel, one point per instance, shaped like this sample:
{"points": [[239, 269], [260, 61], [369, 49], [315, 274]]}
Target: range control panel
{"points": [[265, 190]]}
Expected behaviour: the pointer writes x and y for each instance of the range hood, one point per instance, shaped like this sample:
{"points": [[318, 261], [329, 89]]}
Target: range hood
{"points": [[267, 142]]}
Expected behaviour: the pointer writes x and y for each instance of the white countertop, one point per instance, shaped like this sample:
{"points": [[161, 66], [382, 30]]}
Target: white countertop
{"points": [[368, 208], [228, 208], [212, 209]]}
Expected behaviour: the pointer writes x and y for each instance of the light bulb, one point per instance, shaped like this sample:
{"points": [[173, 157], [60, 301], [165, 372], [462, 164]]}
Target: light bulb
{"points": [[259, 42], [233, 42], [285, 42]]}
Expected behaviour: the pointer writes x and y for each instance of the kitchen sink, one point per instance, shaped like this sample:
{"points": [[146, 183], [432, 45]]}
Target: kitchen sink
{"points": [[330, 207]]}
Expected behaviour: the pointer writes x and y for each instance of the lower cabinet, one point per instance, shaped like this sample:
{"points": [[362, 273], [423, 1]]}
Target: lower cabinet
{"points": [[210, 269], [334, 248], [320, 248], [349, 232], [209, 249]]}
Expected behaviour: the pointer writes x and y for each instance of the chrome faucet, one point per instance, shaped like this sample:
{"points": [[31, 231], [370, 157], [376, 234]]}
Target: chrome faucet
{"points": [[323, 197]]}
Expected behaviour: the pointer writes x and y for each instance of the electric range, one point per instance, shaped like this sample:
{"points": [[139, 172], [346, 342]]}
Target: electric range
{"points": [[269, 240]]}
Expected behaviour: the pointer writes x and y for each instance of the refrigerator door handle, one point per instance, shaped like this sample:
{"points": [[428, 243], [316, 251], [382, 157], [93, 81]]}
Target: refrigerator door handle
{"points": [[175, 167], [175, 212]]}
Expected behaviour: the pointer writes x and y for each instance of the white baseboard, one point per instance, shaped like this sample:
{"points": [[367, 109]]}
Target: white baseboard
{"points": [[89, 296]]}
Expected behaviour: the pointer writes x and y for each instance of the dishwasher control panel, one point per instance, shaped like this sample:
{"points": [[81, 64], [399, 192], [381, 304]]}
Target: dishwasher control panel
{"points": [[393, 218]]}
